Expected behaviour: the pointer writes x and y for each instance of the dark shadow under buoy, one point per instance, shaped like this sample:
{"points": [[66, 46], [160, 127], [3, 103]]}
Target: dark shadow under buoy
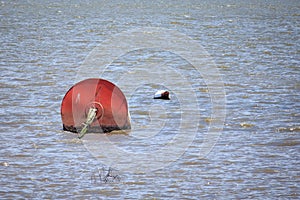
{"points": [[94, 105]]}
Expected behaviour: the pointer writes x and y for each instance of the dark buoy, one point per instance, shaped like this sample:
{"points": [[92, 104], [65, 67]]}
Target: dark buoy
{"points": [[96, 105], [162, 94]]}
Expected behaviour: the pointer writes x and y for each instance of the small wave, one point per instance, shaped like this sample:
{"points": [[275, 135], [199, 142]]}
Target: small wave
{"points": [[288, 129]]}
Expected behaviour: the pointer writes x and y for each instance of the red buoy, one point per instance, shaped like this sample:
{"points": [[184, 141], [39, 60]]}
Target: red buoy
{"points": [[94, 104]]}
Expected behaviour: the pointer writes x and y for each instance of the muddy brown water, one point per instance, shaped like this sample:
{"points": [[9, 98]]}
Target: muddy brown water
{"points": [[255, 46]]}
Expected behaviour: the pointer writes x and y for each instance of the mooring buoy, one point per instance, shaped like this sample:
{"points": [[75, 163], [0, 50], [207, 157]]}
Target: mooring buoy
{"points": [[94, 105]]}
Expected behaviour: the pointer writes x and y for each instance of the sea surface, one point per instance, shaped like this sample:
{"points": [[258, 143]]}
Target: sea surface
{"points": [[255, 48]]}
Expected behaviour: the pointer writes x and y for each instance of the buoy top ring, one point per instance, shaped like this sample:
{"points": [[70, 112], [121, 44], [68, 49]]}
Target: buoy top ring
{"points": [[98, 106]]}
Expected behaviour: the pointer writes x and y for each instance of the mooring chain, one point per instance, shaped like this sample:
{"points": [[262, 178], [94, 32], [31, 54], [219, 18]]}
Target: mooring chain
{"points": [[89, 120]]}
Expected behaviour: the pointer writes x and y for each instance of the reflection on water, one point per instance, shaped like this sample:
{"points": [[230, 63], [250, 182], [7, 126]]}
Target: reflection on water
{"points": [[255, 48]]}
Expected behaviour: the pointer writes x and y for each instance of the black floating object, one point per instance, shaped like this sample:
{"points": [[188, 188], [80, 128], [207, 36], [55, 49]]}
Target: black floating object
{"points": [[162, 94]]}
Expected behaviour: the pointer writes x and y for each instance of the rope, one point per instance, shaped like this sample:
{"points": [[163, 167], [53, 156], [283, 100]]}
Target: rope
{"points": [[89, 120]]}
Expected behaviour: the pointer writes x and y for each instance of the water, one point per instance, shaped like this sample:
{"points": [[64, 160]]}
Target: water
{"points": [[255, 47]]}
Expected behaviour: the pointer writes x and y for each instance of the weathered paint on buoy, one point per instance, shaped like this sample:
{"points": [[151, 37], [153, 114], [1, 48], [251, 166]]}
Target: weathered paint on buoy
{"points": [[101, 96], [162, 94]]}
